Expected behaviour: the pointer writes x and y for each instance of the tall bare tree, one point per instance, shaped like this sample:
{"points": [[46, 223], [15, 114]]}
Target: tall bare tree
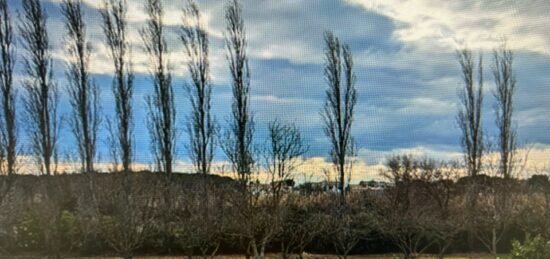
{"points": [[341, 98], [42, 94], [238, 142], [505, 81], [114, 15], [8, 131], [201, 126], [469, 121], [162, 111], [469, 113], [83, 92]]}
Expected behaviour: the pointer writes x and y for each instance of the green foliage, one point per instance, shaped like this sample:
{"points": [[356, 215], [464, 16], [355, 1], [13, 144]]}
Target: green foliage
{"points": [[532, 248], [70, 228], [30, 232], [539, 183], [27, 232]]}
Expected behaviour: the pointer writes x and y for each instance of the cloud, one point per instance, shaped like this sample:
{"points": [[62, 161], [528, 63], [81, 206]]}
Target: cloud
{"points": [[407, 73], [443, 153], [429, 106], [289, 30]]}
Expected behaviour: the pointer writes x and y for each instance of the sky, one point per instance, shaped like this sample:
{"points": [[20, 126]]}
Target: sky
{"points": [[405, 62]]}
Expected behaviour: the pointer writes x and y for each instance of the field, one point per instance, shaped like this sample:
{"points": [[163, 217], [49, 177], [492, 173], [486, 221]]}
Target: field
{"points": [[386, 256], [306, 256]]}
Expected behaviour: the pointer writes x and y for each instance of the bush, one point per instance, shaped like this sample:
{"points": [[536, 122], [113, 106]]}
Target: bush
{"points": [[531, 248], [27, 232]]}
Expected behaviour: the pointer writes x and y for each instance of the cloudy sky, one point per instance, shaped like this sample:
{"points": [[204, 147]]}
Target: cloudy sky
{"points": [[404, 52]]}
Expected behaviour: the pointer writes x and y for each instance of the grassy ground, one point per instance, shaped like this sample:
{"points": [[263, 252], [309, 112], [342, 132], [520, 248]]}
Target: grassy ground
{"points": [[386, 256], [314, 256], [276, 256]]}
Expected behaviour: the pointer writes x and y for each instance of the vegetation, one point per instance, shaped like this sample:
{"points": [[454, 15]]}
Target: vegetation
{"points": [[532, 248], [8, 128], [42, 93], [125, 214], [114, 25], [84, 94], [162, 111]]}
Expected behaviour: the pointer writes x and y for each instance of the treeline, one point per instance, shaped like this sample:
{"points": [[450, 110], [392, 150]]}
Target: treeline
{"points": [[144, 213]]}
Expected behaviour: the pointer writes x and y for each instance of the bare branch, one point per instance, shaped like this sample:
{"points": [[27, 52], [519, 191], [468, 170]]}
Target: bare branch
{"points": [[505, 81], [8, 131], [469, 113], [341, 98], [114, 16], [42, 96], [282, 155], [237, 142], [83, 92], [201, 126], [162, 111]]}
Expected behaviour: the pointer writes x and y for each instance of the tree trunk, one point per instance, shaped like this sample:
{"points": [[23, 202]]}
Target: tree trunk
{"points": [[247, 255], [215, 251], [262, 250], [255, 250], [494, 243], [443, 250], [284, 253]]}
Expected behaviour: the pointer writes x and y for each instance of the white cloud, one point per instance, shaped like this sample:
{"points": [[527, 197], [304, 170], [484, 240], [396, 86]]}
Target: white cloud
{"points": [[101, 63], [476, 24], [439, 153], [427, 106]]}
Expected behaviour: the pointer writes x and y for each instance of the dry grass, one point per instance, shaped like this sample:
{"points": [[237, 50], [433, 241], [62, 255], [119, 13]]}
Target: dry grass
{"points": [[277, 256], [316, 256]]}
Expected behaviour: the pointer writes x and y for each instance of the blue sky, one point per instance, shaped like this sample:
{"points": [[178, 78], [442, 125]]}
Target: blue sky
{"points": [[404, 52]]}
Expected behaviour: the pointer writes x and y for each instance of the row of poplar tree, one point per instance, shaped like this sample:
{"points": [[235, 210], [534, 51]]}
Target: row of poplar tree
{"points": [[41, 92]]}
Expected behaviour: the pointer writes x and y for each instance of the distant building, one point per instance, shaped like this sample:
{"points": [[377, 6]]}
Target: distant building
{"points": [[371, 185]]}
